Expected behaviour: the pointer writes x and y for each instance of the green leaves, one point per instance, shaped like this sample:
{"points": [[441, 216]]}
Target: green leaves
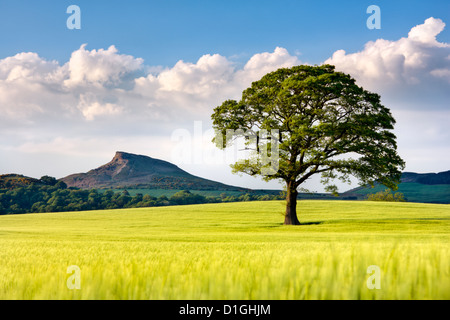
{"points": [[327, 125]]}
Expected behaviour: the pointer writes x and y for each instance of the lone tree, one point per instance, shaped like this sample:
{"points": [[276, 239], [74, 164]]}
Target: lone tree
{"points": [[326, 125]]}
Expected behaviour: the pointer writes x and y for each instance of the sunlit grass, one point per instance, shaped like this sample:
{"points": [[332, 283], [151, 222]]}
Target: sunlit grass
{"points": [[230, 251]]}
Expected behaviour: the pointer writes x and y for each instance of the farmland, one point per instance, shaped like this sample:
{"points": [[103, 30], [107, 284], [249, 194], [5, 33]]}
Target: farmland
{"points": [[230, 251]]}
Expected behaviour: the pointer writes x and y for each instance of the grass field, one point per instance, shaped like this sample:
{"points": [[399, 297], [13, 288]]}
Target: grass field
{"points": [[230, 251], [170, 192]]}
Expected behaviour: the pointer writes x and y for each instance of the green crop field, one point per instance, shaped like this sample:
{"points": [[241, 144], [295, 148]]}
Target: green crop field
{"points": [[170, 192], [230, 251]]}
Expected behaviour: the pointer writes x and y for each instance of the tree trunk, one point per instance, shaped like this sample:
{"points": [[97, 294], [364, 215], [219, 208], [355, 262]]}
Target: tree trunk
{"points": [[291, 205]]}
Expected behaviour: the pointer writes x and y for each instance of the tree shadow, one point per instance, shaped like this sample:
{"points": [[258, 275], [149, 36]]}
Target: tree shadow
{"points": [[311, 223], [308, 223]]}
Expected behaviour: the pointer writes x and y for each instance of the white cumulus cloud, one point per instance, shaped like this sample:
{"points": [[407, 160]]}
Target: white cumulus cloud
{"points": [[263, 63], [92, 108], [426, 33], [403, 69], [412, 75], [99, 67]]}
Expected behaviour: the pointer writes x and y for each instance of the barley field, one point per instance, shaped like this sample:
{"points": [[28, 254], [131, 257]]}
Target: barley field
{"points": [[229, 251]]}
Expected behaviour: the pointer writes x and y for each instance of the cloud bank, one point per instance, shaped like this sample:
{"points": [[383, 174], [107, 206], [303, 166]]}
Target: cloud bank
{"points": [[102, 83], [412, 75], [406, 69]]}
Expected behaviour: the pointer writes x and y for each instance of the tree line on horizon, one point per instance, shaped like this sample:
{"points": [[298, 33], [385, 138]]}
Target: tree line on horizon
{"points": [[51, 195]]}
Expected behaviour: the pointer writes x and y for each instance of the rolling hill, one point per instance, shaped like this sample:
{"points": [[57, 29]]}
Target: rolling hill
{"points": [[426, 178], [11, 181], [156, 177], [416, 187], [138, 171]]}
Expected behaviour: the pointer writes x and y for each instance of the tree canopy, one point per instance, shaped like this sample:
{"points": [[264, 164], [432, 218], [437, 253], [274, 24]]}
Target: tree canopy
{"points": [[309, 120]]}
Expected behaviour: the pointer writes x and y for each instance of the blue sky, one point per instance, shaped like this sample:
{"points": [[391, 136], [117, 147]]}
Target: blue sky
{"points": [[163, 32], [140, 72]]}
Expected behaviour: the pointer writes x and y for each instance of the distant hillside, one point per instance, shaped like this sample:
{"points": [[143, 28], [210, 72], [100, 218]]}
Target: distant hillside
{"points": [[427, 178], [146, 175], [416, 187], [130, 170], [12, 181]]}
